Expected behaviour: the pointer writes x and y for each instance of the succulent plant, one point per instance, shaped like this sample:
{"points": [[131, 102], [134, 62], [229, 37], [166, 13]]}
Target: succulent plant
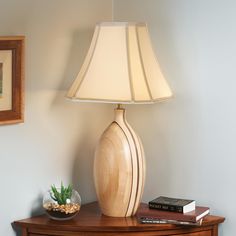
{"points": [[62, 196]]}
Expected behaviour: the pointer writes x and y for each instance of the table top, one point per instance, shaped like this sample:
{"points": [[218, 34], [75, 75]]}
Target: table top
{"points": [[90, 218]]}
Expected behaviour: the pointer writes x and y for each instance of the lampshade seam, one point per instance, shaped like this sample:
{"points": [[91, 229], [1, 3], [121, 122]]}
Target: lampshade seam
{"points": [[128, 60], [141, 60]]}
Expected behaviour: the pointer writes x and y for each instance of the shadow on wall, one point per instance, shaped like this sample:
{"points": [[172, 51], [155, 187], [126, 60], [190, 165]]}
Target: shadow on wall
{"points": [[37, 209], [83, 160], [79, 47], [82, 173], [82, 179], [16, 230]]}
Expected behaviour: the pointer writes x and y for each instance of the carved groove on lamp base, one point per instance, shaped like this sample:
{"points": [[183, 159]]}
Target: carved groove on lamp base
{"points": [[119, 168]]}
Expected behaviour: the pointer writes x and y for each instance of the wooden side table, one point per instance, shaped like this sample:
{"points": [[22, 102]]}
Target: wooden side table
{"points": [[90, 222]]}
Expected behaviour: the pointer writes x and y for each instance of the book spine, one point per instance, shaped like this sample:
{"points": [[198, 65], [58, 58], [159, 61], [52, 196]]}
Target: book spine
{"points": [[166, 207]]}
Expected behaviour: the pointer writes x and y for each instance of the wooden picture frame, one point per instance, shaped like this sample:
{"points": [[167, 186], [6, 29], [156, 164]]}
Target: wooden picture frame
{"points": [[12, 79]]}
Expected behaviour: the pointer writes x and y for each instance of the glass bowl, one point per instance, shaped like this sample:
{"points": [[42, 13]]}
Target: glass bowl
{"points": [[65, 211]]}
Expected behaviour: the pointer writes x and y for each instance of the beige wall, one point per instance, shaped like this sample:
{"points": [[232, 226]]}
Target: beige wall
{"points": [[190, 140], [56, 141]]}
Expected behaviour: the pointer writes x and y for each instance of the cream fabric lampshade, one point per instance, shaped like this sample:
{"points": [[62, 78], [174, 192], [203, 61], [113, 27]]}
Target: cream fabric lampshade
{"points": [[120, 67]]}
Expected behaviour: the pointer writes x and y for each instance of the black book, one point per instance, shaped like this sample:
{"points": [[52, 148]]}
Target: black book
{"points": [[172, 204]]}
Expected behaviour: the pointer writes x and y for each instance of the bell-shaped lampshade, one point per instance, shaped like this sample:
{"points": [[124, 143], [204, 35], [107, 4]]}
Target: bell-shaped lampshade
{"points": [[120, 67]]}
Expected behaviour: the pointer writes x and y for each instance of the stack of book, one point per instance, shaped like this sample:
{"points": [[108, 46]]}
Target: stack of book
{"points": [[172, 211]]}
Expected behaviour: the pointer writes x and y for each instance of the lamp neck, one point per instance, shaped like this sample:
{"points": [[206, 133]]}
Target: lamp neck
{"points": [[120, 114], [119, 106]]}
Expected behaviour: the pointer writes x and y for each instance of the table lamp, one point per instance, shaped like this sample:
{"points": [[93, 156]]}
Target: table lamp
{"points": [[121, 68]]}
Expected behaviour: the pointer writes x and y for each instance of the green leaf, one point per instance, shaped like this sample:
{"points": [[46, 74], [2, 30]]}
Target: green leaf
{"points": [[63, 195]]}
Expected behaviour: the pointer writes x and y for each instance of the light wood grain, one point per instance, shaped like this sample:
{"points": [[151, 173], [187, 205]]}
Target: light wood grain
{"points": [[119, 168]]}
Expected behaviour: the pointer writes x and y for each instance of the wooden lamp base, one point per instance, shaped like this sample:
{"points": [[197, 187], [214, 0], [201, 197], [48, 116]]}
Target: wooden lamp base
{"points": [[119, 168]]}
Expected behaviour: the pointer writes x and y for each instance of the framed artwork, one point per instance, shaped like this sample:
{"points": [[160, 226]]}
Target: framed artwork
{"points": [[11, 80]]}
